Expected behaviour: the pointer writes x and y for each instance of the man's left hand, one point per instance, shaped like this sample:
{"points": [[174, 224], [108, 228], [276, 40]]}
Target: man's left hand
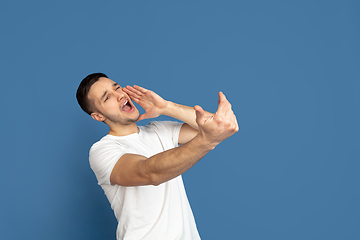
{"points": [[151, 102]]}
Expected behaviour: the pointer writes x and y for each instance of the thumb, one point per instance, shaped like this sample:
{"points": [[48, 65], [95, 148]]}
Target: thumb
{"points": [[142, 117], [199, 112]]}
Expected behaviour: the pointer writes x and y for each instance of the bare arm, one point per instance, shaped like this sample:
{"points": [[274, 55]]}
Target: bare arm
{"points": [[154, 106], [136, 170]]}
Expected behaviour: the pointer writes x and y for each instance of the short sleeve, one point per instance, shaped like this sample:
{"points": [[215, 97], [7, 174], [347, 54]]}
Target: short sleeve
{"points": [[168, 130], [102, 157]]}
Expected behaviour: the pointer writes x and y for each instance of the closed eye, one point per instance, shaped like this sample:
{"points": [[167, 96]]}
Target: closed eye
{"points": [[106, 92]]}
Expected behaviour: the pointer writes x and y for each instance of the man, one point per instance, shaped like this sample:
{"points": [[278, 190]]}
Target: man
{"points": [[140, 167]]}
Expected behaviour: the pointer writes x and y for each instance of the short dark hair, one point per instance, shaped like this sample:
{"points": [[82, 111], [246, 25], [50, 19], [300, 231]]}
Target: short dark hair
{"points": [[83, 91]]}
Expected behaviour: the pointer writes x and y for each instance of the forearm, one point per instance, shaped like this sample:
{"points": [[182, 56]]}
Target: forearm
{"points": [[174, 162], [181, 112], [154, 105]]}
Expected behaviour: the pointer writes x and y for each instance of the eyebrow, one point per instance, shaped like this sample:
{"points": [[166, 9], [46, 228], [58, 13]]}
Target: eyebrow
{"points": [[114, 85]]}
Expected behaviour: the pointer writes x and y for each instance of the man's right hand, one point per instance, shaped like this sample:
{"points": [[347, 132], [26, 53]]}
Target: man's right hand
{"points": [[219, 126]]}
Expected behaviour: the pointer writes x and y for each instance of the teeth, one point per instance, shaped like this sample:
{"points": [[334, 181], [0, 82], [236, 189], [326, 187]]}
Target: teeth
{"points": [[125, 102]]}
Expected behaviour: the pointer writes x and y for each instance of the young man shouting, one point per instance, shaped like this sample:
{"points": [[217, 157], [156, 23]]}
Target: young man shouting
{"points": [[140, 167]]}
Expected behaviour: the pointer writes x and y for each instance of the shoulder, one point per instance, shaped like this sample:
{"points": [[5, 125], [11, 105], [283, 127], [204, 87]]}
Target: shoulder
{"points": [[103, 156], [165, 125], [106, 141], [167, 131], [105, 149]]}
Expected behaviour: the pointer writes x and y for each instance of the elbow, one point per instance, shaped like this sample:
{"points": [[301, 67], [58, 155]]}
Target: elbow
{"points": [[150, 176], [154, 179]]}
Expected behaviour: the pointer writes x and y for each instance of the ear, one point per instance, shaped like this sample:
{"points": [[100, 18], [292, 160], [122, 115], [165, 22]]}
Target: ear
{"points": [[98, 117]]}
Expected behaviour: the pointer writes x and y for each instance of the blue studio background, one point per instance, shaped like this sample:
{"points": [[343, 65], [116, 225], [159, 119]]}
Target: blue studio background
{"points": [[291, 70]]}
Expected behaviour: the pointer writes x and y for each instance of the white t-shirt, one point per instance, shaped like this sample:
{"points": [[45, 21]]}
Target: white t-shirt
{"points": [[145, 212]]}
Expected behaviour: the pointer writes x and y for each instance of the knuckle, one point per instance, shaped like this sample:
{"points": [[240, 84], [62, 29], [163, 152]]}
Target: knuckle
{"points": [[236, 129], [228, 124], [232, 126], [219, 119]]}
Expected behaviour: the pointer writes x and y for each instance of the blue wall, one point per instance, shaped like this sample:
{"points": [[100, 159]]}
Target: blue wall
{"points": [[291, 70]]}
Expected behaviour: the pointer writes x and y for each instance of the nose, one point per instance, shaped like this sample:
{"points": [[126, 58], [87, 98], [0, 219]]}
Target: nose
{"points": [[119, 95]]}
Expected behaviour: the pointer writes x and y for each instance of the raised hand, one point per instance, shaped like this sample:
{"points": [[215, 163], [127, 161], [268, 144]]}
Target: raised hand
{"points": [[152, 103], [219, 126]]}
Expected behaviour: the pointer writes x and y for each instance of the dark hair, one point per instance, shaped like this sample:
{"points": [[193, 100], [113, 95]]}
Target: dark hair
{"points": [[83, 91]]}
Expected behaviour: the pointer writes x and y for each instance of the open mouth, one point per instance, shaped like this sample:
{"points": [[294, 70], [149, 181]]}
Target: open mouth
{"points": [[127, 107]]}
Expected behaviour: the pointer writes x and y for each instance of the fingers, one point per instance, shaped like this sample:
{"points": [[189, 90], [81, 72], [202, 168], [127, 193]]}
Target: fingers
{"points": [[224, 105], [137, 89], [132, 91], [140, 89], [135, 93], [225, 113]]}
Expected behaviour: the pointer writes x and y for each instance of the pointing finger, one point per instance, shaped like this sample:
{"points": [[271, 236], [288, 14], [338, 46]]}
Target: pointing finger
{"points": [[224, 104]]}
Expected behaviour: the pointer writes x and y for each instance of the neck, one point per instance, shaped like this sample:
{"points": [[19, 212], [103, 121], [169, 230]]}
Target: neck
{"points": [[123, 130]]}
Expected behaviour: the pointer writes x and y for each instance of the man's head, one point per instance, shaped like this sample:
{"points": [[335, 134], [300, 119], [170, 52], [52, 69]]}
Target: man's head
{"points": [[83, 91], [104, 100]]}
